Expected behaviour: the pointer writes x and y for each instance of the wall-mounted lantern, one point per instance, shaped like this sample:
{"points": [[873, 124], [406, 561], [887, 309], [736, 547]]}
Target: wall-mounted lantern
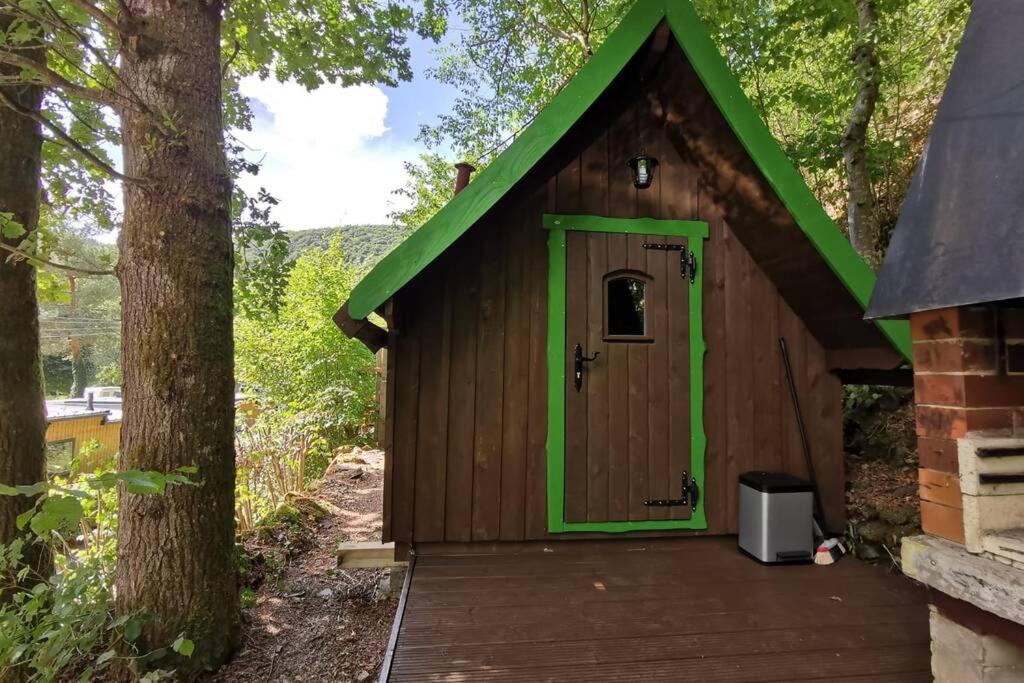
{"points": [[643, 167]]}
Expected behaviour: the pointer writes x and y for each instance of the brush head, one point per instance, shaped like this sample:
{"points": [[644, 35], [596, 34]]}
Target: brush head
{"points": [[829, 552]]}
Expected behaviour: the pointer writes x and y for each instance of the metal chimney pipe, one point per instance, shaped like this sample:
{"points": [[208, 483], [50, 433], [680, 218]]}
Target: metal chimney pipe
{"points": [[89, 401], [462, 179]]}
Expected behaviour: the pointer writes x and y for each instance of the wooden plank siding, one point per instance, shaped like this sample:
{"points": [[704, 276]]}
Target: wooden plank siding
{"points": [[469, 414]]}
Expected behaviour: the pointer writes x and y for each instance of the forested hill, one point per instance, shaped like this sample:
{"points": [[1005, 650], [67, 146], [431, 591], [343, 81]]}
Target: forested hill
{"points": [[363, 244]]}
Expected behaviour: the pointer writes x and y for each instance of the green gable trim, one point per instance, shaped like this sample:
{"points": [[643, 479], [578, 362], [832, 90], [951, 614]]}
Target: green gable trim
{"points": [[410, 257], [695, 232], [423, 246], [787, 182]]}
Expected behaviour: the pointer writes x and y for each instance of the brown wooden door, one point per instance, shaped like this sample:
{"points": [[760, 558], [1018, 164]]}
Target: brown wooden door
{"points": [[627, 429]]}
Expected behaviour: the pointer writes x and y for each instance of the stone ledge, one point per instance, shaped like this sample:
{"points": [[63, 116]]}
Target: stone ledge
{"points": [[981, 581]]}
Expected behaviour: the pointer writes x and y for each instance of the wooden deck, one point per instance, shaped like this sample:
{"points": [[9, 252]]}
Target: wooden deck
{"points": [[681, 610]]}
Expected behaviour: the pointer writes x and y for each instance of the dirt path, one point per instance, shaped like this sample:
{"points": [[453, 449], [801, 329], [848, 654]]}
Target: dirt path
{"points": [[310, 621]]}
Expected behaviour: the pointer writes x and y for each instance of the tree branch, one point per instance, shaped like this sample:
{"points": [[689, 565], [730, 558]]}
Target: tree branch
{"points": [[96, 13], [55, 80], [554, 31], [862, 206], [77, 146], [40, 260], [100, 57], [231, 58]]}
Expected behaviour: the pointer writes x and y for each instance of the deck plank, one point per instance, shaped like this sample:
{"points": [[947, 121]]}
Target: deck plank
{"points": [[691, 610]]}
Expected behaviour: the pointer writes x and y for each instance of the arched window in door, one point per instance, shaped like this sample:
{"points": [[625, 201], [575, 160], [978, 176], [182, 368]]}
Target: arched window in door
{"points": [[627, 300]]}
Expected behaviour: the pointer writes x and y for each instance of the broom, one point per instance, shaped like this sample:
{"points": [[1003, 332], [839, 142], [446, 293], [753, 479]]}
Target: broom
{"points": [[829, 549]]}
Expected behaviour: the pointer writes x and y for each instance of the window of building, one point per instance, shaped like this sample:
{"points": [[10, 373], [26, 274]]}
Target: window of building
{"points": [[626, 303]]}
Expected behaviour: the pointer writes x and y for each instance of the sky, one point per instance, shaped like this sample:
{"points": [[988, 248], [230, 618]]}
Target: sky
{"points": [[334, 156]]}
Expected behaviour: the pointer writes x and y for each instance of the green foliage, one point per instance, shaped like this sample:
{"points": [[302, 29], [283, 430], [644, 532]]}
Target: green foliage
{"points": [[793, 59], [262, 261], [336, 42], [315, 387], [431, 186], [91, 315], [275, 454], [363, 245], [299, 365], [10, 229], [62, 626], [510, 60]]}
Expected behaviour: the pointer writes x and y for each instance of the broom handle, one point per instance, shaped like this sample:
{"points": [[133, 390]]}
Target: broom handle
{"points": [[803, 431]]}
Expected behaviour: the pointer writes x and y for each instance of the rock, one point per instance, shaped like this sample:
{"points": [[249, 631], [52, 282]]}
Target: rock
{"points": [[875, 531], [326, 594], [902, 532], [907, 490], [362, 676], [306, 505], [898, 516], [867, 551]]}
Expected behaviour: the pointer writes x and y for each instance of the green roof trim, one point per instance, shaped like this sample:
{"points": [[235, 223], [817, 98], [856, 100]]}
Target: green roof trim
{"points": [[410, 257]]}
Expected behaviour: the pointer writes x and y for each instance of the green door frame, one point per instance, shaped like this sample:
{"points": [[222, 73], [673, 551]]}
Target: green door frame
{"points": [[557, 225]]}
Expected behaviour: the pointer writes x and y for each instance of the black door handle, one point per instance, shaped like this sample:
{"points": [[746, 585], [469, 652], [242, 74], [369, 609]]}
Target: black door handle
{"points": [[578, 360]]}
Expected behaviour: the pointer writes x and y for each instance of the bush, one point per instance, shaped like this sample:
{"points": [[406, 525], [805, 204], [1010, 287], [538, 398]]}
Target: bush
{"points": [[63, 626], [274, 456], [299, 365]]}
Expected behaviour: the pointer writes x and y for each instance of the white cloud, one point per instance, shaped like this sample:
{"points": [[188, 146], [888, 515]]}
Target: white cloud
{"points": [[327, 154]]}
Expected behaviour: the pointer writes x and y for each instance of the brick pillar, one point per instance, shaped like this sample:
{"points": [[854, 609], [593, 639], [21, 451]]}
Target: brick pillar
{"points": [[967, 379]]}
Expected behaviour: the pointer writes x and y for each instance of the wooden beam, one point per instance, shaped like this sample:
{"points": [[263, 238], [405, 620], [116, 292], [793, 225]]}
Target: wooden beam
{"points": [[389, 653], [367, 555], [875, 358], [949, 568], [365, 331], [889, 378]]}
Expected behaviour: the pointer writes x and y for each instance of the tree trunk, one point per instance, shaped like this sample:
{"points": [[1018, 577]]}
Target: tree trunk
{"points": [[176, 552], [78, 371], [22, 420], [862, 209]]}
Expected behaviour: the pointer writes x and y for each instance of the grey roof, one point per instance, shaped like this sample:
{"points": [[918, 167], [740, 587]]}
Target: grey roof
{"points": [[960, 235], [74, 408]]}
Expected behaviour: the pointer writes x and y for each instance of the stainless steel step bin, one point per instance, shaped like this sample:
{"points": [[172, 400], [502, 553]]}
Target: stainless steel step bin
{"points": [[776, 523]]}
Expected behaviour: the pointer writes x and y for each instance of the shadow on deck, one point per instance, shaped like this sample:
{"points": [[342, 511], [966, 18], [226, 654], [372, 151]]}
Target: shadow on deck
{"points": [[670, 610]]}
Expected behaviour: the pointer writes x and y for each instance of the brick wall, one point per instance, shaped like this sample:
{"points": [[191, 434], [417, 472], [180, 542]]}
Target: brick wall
{"points": [[968, 378]]}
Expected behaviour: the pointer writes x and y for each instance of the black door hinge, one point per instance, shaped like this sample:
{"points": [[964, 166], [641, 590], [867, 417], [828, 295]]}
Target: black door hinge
{"points": [[687, 259], [689, 495]]}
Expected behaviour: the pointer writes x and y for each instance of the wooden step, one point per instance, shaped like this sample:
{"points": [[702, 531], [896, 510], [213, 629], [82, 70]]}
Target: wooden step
{"points": [[367, 555]]}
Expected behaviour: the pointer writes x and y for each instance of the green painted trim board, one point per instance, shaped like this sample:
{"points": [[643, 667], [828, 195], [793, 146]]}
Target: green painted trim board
{"points": [[695, 232], [629, 226]]}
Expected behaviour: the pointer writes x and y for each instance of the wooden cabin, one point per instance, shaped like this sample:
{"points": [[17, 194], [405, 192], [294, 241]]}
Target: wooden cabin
{"points": [[565, 347], [954, 269], [73, 424]]}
